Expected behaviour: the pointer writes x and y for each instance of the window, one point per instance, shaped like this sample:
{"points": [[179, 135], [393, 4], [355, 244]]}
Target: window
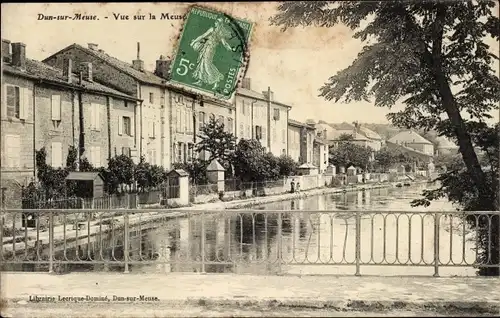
{"points": [[243, 107], [56, 155], [189, 120], [258, 132], [201, 120], [230, 125], [190, 152], [56, 107], [152, 129], [12, 150], [242, 131], [126, 151], [152, 156], [14, 103], [221, 120], [184, 120], [178, 119], [179, 152], [276, 115], [95, 117], [151, 98], [263, 134], [95, 156], [125, 126]]}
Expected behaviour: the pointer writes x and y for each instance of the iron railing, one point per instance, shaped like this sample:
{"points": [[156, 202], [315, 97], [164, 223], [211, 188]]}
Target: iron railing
{"points": [[257, 241]]}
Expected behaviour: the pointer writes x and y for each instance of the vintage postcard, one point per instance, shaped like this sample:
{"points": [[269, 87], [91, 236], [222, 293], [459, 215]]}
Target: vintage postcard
{"points": [[297, 158]]}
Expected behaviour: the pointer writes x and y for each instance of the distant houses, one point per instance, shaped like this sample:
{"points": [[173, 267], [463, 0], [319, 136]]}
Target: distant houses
{"points": [[411, 139]]}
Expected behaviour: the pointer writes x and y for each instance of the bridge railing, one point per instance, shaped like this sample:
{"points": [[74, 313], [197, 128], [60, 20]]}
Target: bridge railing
{"points": [[245, 240]]}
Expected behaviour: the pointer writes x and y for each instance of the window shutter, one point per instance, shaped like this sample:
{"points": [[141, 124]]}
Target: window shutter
{"points": [[27, 102], [56, 107], [97, 156], [22, 113], [120, 125], [132, 122], [154, 129]]}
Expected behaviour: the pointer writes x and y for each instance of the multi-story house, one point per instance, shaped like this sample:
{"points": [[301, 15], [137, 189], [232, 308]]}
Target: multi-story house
{"points": [[260, 116], [301, 140], [54, 109], [223, 112], [152, 118], [361, 135], [414, 141]]}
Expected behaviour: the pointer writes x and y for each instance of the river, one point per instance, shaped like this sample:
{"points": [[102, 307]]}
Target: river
{"points": [[312, 242]]}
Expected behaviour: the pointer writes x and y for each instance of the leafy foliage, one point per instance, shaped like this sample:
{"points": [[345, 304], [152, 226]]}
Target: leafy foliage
{"points": [[431, 55], [196, 170], [346, 153], [219, 143], [387, 158], [287, 166]]}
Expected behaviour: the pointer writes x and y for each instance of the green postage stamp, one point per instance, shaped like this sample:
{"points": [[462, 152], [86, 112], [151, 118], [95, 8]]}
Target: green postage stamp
{"points": [[212, 51]]}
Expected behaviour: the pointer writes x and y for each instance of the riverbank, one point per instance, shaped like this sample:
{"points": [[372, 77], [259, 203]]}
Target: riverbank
{"points": [[195, 295], [93, 228]]}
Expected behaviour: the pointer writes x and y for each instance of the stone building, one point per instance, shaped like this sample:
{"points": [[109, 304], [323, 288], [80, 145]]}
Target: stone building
{"points": [[260, 116], [54, 109], [301, 141], [152, 118], [411, 139]]}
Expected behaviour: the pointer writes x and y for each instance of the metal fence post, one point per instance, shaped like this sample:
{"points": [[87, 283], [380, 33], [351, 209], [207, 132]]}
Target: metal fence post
{"points": [[203, 242], [126, 243], [280, 242], [437, 218], [51, 242], [358, 243]]}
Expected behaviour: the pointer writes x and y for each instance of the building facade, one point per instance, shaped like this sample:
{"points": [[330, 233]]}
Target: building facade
{"points": [[413, 140], [45, 107], [260, 116], [301, 140], [151, 120]]}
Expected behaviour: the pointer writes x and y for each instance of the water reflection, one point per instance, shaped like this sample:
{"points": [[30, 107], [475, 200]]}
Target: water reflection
{"points": [[249, 242]]}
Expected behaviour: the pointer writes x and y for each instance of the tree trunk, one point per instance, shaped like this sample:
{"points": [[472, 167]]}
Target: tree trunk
{"points": [[492, 248]]}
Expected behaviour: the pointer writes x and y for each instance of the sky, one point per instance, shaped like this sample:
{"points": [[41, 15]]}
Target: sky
{"points": [[294, 64]]}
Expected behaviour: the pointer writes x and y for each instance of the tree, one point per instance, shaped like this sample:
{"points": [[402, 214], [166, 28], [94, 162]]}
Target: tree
{"points": [[385, 159], [347, 153], [346, 137], [219, 143], [433, 55], [248, 161], [120, 171], [287, 166]]}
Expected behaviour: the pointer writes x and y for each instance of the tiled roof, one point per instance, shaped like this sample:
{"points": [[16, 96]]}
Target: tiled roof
{"points": [[39, 70], [409, 136], [142, 76], [251, 93], [299, 124], [344, 126], [408, 149], [74, 175], [369, 133]]}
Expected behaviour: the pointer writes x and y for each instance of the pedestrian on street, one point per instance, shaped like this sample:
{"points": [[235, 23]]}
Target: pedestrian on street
{"points": [[298, 187], [292, 186]]}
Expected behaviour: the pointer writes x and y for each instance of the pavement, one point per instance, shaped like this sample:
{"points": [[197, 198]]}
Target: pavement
{"points": [[216, 295]]}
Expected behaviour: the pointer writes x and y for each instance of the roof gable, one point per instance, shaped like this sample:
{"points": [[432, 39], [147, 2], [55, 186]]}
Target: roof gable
{"points": [[409, 136]]}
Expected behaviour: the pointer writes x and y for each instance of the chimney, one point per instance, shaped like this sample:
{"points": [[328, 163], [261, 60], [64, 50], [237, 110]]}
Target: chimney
{"points": [[138, 64], [93, 46], [19, 55], [68, 70], [269, 95], [245, 83], [162, 67], [86, 71], [6, 57]]}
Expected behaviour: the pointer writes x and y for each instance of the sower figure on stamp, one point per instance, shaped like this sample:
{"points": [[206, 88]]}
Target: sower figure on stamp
{"points": [[206, 44]]}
